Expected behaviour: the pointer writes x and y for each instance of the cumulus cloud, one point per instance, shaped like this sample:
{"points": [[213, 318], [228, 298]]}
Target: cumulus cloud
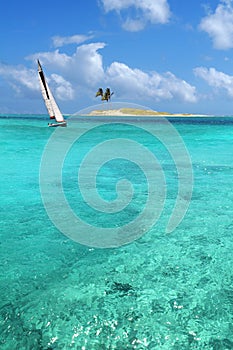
{"points": [[134, 83], [19, 76], [84, 67], [216, 79], [79, 75], [219, 25], [89, 63], [63, 88], [24, 80], [59, 41], [68, 76], [144, 11]]}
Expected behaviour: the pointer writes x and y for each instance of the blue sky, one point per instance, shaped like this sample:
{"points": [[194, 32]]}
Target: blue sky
{"points": [[168, 55]]}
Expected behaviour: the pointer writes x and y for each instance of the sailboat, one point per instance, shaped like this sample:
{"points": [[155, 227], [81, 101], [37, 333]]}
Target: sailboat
{"points": [[50, 103]]}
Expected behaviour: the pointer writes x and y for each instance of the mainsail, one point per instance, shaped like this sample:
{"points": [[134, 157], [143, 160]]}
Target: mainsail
{"points": [[50, 103]]}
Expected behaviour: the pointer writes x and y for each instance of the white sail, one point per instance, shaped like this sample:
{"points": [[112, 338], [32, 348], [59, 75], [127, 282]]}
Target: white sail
{"points": [[50, 103]]}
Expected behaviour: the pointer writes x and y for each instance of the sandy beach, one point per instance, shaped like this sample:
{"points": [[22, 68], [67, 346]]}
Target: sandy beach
{"points": [[131, 112]]}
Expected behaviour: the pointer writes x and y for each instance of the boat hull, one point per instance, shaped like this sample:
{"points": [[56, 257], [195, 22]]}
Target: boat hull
{"points": [[54, 125]]}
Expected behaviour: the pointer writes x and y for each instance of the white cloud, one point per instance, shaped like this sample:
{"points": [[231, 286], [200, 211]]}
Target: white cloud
{"points": [[59, 41], [117, 5], [145, 11], [24, 80], [74, 74], [219, 25], [77, 76], [63, 88], [83, 68], [216, 79], [133, 25], [137, 84], [88, 63], [54, 59], [19, 76]]}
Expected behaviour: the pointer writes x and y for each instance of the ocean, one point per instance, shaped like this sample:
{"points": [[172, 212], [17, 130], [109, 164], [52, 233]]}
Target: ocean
{"points": [[116, 233]]}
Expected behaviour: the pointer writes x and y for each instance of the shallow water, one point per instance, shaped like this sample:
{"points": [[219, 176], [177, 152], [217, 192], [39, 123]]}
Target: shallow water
{"points": [[160, 291]]}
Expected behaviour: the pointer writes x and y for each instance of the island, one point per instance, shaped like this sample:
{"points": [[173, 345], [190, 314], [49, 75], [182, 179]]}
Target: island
{"points": [[128, 112]]}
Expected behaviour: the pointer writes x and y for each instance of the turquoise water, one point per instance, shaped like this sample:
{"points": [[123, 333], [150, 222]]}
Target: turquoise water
{"points": [[161, 291]]}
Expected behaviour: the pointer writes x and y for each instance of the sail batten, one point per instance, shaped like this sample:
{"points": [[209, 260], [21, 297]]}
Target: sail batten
{"points": [[50, 103]]}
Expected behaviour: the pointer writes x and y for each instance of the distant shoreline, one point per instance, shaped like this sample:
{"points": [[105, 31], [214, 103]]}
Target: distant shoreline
{"points": [[131, 112]]}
